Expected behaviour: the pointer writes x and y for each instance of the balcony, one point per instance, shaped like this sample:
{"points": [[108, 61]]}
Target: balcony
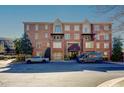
{"points": [[57, 33]]}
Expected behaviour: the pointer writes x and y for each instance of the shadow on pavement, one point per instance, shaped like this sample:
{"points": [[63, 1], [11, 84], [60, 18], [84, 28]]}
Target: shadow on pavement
{"points": [[59, 67]]}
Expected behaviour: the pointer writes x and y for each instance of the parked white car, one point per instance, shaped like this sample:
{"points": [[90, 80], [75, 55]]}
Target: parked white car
{"points": [[36, 59]]}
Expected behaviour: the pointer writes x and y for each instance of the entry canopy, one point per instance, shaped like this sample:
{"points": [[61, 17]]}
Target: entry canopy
{"points": [[74, 48]]}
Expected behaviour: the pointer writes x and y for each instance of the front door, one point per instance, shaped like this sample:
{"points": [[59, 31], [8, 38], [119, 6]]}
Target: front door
{"points": [[73, 54], [57, 56]]}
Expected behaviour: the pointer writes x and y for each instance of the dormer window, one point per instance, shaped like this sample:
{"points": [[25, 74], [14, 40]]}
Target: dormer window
{"points": [[86, 29], [58, 29]]}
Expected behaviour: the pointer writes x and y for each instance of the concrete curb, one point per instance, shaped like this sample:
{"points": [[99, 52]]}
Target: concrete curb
{"points": [[111, 83]]}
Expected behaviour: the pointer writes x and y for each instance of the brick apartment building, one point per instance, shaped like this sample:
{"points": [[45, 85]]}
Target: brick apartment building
{"points": [[66, 38]]}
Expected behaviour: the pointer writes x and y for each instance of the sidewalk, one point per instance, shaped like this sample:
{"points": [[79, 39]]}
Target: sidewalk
{"points": [[5, 62], [117, 82]]}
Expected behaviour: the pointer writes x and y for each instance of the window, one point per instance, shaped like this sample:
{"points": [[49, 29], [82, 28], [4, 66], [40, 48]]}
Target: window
{"points": [[106, 45], [67, 36], [67, 28], [105, 53], [36, 27], [107, 27], [97, 45], [27, 27], [57, 45], [86, 29], [106, 36], [48, 44], [96, 27], [97, 37], [46, 35], [38, 53], [46, 27], [38, 45], [36, 36], [89, 45], [58, 29], [76, 36], [76, 27]]}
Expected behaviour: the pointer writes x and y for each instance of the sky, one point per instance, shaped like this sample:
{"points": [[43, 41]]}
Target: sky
{"points": [[12, 17]]}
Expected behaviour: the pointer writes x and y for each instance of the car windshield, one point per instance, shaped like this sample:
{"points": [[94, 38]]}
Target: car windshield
{"points": [[95, 53], [36, 57]]}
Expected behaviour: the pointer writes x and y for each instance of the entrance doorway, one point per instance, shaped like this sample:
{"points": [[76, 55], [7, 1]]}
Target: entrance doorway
{"points": [[73, 50], [57, 55], [73, 54]]}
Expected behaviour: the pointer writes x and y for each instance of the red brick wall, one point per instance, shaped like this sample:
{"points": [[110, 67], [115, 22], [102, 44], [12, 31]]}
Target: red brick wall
{"points": [[41, 33]]}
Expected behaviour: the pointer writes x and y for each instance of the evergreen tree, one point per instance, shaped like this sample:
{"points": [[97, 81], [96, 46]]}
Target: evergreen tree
{"points": [[17, 44], [26, 45], [117, 49]]}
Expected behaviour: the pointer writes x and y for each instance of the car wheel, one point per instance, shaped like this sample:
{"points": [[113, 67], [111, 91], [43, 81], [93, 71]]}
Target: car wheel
{"points": [[29, 62], [98, 61], [44, 61]]}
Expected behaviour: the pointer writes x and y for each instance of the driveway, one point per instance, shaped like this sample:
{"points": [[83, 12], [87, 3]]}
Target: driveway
{"points": [[59, 74]]}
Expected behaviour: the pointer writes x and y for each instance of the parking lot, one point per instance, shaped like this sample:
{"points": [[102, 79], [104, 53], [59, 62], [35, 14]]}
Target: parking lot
{"points": [[68, 73]]}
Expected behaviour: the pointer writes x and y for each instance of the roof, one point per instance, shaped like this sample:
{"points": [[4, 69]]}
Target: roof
{"points": [[64, 22], [2, 38]]}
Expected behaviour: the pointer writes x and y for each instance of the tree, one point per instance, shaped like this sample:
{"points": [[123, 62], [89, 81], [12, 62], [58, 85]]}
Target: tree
{"points": [[17, 44], [114, 13], [23, 47], [117, 49], [2, 49], [26, 45]]}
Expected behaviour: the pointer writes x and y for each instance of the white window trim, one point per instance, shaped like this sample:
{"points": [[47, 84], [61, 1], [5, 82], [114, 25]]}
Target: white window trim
{"points": [[86, 27], [67, 27], [57, 44], [46, 35], [76, 36], [36, 37], [89, 45], [27, 27], [97, 37], [67, 36], [107, 37], [106, 45], [48, 44], [76, 28], [55, 29], [36, 27], [46, 27], [97, 45], [106, 28], [105, 53], [38, 45]]}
